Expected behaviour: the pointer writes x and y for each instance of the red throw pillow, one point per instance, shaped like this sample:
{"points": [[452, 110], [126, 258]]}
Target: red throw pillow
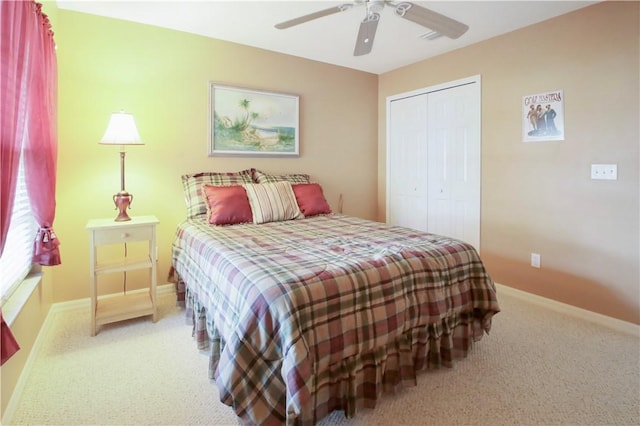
{"points": [[311, 199], [227, 205]]}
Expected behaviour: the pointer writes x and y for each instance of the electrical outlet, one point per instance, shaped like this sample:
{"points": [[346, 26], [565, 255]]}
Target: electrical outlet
{"points": [[535, 260]]}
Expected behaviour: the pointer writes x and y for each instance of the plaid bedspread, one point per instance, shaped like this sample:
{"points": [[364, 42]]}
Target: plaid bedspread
{"points": [[309, 316]]}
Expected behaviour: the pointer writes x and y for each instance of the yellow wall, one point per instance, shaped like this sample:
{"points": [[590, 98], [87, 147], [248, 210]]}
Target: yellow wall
{"points": [[162, 77], [538, 197], [26, 326]]}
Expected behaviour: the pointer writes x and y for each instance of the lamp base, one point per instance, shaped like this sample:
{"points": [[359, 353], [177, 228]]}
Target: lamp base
{"points": [[122, 200]]}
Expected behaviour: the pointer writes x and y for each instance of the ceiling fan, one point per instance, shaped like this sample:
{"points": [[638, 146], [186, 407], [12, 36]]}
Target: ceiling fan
{"points": [[439, 24]]}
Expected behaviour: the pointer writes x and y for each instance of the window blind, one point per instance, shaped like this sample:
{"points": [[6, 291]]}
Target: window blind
{"points": [[16, 259]]}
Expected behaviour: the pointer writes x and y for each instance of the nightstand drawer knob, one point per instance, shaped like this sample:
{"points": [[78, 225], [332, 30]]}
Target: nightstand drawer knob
{"points": [[124, 235]]}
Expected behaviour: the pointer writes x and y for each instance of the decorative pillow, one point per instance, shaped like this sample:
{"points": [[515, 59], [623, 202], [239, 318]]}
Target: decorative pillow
{"points": [[310, 199], [227, 205], [260, 177], [272, 202], [192, 186]]}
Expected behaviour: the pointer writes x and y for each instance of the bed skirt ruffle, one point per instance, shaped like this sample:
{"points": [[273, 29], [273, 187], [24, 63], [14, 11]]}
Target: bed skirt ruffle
{"points": [[358, 382]]}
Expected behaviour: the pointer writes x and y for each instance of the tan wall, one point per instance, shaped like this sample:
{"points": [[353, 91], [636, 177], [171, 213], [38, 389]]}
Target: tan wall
{"points": [[538, 197], [162, 77]]}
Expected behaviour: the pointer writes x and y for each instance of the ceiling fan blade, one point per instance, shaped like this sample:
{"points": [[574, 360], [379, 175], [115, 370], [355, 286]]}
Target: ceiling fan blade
{"points": [[430, 19], [312, 16], [366, 34]]}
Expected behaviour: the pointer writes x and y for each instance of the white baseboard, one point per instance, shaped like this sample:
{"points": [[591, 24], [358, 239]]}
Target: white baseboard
{"points": [[85, 303], [610, 322], [78, 304]]}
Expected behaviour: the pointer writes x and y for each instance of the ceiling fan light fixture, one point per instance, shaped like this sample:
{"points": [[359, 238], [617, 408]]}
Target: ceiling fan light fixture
{"points": [[375, 6]]}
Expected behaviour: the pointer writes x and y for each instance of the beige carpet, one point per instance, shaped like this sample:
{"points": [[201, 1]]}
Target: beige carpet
{"points": [[538, 367]]}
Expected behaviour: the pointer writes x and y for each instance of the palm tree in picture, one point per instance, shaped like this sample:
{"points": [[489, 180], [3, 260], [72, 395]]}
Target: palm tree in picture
{"points": [[248, 117]]}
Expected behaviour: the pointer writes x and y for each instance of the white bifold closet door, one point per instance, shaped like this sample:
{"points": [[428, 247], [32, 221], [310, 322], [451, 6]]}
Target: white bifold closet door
{"points": [[433, 161]]}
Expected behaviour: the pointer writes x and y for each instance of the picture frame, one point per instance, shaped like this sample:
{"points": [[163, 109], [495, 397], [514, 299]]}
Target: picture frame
{"points": [[252, 123], [543, 117]]}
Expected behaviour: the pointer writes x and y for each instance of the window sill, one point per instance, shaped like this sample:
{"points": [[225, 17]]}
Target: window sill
{"points": [[18, 299]]}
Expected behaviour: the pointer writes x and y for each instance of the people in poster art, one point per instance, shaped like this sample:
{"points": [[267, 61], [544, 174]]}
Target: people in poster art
{"points": [[533, 117], [541, 126], [542, 120], [549, 116]]}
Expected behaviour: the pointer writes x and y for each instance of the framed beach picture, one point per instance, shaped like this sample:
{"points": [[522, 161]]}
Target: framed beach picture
{"points": [[246, 122], [543, 117]]}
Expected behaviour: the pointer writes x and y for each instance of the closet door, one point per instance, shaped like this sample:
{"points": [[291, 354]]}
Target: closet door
{"points": [[453, 164], [407, 159], [433, 160]]}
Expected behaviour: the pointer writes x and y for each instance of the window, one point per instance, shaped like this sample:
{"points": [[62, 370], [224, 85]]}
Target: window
{"points": [[15, 262]]}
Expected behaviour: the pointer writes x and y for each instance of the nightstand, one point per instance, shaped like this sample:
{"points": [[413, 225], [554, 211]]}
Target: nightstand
{"points": [[111, 308]]}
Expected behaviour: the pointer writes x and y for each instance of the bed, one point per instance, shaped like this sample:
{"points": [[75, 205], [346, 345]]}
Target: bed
{"points": [[325, 311]]}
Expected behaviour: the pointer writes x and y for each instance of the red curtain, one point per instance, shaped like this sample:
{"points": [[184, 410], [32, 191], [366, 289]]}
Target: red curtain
{"points": [[14, 92], [28, 117], [41, 147], [9, 345]]}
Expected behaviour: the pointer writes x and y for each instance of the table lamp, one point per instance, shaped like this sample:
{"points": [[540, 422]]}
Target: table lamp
{"points": [[122, 131]]}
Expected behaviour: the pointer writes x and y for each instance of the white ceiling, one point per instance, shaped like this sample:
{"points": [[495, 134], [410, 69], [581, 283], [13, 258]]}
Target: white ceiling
{"points": [[330, 39]]}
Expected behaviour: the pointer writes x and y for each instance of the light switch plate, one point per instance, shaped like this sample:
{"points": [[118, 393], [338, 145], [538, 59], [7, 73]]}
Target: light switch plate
{"points": [[604, 171]]}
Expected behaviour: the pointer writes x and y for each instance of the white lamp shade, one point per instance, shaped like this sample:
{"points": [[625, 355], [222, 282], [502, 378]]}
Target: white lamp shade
{"points": [[121, 130]]}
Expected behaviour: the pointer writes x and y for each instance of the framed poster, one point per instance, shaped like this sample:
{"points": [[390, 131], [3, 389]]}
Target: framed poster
{"points": [[246, 122], [543, 117]]}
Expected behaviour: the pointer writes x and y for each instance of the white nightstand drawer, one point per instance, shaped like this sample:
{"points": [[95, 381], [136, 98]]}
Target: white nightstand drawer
{"points": [[124, 235]]}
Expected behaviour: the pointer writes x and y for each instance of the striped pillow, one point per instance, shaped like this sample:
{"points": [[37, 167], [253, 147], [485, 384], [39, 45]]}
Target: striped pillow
{"points": [[192, 186], [260, 177], [272, 202]]}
